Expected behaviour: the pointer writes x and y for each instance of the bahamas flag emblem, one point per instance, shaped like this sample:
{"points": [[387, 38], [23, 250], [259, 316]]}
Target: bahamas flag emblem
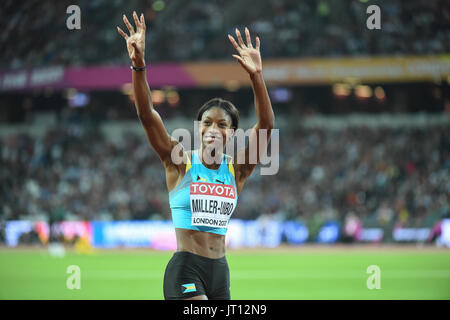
{"points": [[189, 287]]}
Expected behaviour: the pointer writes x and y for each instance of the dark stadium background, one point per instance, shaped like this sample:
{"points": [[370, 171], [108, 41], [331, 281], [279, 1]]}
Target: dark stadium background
{"points": [[367, 156]]}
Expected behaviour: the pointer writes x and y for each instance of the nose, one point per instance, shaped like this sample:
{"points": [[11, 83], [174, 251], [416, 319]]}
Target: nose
{"points": [[214, 128]]}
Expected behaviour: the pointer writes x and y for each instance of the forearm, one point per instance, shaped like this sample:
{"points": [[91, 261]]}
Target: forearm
{"points": [[142, 93], [263, 106]]}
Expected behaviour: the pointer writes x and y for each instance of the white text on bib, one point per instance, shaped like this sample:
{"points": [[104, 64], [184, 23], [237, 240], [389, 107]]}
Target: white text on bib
{"points": [[212, 204]]}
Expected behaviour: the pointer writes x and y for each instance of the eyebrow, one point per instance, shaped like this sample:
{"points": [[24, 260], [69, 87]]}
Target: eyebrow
{"points": [[207, 117]]}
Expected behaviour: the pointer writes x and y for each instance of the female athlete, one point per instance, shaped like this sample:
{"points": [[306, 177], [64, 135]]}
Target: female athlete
{"points": [[203, 192]]}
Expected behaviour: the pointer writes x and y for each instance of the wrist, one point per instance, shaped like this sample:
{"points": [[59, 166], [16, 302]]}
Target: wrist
{"points": [[137, 68], [256, 74], [138, 63]]}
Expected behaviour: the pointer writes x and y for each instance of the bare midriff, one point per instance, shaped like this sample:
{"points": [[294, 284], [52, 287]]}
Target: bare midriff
{"points": [[206, 244]]}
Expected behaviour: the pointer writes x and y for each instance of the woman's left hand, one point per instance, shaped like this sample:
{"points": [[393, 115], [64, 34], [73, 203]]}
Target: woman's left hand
{"points": [[249, 57]]}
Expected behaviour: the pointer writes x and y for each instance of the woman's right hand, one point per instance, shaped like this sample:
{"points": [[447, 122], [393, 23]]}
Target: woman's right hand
{"points": [[136, 40]]}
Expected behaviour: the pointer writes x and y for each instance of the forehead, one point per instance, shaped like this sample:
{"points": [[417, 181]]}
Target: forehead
{"points": [[216, 113]]}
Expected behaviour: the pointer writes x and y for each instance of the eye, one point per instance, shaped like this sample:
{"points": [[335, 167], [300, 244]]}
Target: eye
{"points": [[206, 122], [223, 125]]}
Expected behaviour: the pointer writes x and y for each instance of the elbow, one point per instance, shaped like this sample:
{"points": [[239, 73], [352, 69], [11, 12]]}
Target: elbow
{"points": [[272, 121], [266, 125], [268, 122], [143, 117], [140, 115], [269, 125], [144, 114]]}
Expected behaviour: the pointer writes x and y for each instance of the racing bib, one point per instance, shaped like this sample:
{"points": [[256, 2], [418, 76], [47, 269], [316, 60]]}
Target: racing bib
{"points": [[212, 204]]}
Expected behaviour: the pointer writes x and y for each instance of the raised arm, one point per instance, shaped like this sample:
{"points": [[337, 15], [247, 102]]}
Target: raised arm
{"points": [[157, 134], [250, 60]]}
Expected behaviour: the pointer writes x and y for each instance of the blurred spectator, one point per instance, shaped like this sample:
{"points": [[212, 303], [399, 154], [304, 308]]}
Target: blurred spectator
{"points": [[34, 33], [352, 231], [378, 176], [2, 232]]}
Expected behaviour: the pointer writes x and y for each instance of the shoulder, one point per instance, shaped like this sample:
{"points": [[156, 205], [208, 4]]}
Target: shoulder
{"points": [[188, 155], [242, 170], [230, 164], [177, 151], [179, 160], [229, 159]]}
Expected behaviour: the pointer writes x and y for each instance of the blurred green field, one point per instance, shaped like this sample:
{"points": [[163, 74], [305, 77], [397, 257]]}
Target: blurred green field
{"points": [[270, 274]]}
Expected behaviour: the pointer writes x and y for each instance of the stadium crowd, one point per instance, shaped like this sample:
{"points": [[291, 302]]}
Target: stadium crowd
{"points": [[34, 33], [383, 176]]}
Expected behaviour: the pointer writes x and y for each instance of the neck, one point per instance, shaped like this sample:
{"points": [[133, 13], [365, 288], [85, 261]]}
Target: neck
{"points": [[211, 158]]}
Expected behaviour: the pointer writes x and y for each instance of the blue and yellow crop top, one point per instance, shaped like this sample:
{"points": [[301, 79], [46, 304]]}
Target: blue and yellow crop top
{"points": [[205, 199]]}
